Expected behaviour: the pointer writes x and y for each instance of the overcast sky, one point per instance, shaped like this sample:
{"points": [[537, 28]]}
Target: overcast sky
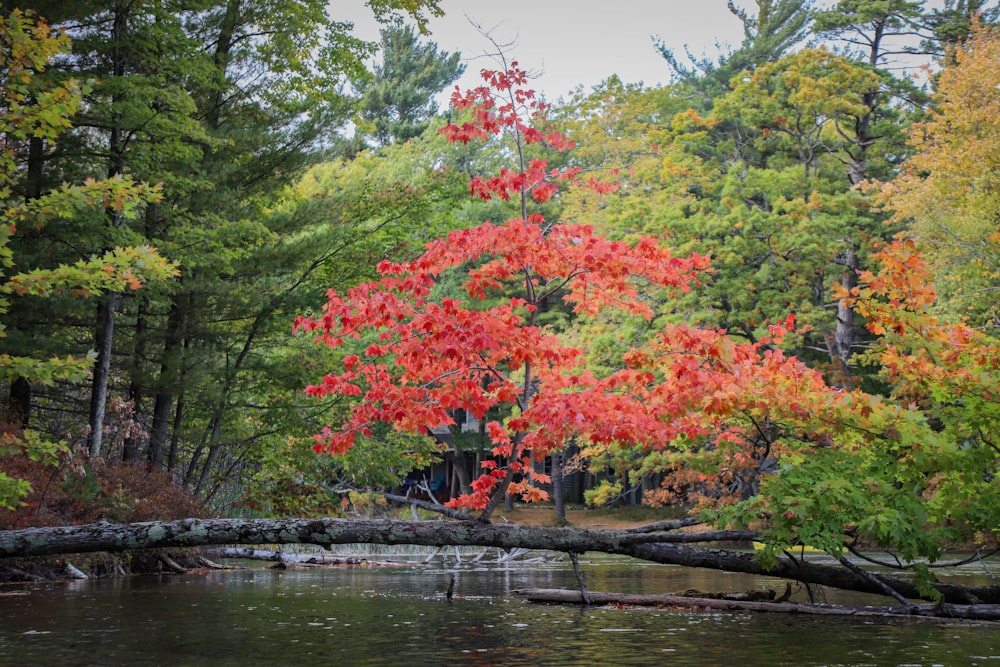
{"points": [[571, 42]]}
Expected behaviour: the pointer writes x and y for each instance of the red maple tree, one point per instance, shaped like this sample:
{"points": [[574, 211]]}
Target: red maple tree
{"points": [[427, 356]]}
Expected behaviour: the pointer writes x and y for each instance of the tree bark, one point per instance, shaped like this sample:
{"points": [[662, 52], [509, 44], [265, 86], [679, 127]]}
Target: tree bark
{"points": [[558, 495], [133, 441], [102, 373], [457, 460], [171, 365], [843, 337], [658, 547]]}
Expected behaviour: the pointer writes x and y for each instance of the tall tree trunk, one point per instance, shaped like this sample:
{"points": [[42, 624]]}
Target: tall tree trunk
{"points": [[842, 345], [175, 431], [137, 385], [223, 47], [214, 433], [102, 372], [105, 329], [171, 370], [843, 337], [20, 388], [214, 445]]}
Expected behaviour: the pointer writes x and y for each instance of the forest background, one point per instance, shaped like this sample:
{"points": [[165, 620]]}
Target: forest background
{"points": [[182, 180]]}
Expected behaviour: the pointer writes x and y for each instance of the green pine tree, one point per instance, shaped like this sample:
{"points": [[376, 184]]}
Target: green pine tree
{"points": [[398, 102]]}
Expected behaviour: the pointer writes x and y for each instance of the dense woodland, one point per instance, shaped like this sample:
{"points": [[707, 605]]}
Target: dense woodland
{"points": [[250, 268]]}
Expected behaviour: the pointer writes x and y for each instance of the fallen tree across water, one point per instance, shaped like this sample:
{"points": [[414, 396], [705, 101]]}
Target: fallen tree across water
{"points": [[663, 545]]}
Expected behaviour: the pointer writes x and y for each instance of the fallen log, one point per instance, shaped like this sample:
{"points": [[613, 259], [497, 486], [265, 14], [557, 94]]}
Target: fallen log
{"points": [[209, 565], [653, 546], [282, 557], [928, 611]]}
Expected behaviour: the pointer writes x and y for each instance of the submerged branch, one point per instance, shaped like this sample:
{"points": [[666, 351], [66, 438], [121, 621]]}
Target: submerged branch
{"points": [[988, 612]]}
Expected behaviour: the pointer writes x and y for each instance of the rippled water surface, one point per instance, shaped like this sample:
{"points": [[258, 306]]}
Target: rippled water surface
{"points": [[400, 616]]}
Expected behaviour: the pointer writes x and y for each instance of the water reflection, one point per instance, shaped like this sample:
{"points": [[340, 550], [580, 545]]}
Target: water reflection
{"points": [[399, 616]]}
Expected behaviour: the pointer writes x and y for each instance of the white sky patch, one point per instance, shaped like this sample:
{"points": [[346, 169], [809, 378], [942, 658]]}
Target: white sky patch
{"points": [[571, 43]]}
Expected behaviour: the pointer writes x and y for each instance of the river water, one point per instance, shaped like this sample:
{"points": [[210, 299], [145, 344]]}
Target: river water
{"points": [[400, 616]]}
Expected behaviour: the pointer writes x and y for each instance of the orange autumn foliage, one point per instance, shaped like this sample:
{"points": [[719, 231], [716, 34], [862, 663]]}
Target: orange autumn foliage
{"points": [[946, 192]]}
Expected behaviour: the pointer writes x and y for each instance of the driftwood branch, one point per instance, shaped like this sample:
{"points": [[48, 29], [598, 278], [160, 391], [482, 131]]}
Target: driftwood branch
{"points": [[281, 557]]}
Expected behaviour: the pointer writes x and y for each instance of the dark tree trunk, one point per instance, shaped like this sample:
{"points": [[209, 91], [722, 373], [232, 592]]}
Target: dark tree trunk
{"points": [[171, 365], [457, 460], [175, 432], [20, 401], [102, 373], [558, 495], [659, 547], [499, 495], [132, 446], [508, 503], [223, 48], [20, 388]]}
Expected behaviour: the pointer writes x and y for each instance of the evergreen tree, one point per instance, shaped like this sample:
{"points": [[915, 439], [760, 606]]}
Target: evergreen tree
{"points": [[136, 121], [874, 32], [224, 103], [882, 33], [398, 101], [36, 108], [951, 25], [769, 33]]}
